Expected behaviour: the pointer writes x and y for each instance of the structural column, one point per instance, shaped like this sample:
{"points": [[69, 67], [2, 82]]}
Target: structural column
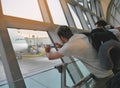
{"points": [[11, 67]]}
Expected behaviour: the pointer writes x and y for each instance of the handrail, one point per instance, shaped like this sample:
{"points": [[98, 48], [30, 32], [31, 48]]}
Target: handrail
{"points": [[83, 81], [62, 69]]}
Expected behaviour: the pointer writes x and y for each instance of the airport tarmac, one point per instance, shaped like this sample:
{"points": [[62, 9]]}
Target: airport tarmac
{"points": [[31, 64]]}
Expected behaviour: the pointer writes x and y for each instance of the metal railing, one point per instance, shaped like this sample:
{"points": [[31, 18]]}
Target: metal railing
{"points": [[62, 69], [61, 72]]}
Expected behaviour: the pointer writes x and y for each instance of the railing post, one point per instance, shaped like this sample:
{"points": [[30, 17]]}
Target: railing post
{"points": [[62, 69]]}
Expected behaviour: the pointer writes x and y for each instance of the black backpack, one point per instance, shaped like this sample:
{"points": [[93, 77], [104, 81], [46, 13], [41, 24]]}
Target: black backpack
{"points": [[99, 36]]}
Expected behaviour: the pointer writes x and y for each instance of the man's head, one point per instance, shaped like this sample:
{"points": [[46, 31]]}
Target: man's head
{"points": [[100, 24], [64, 33]]}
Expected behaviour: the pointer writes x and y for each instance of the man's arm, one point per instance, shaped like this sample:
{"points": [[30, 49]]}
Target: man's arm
{"points": [[52, 55]]}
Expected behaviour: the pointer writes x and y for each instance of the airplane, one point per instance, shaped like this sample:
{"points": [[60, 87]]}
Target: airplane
{"points": [[18, 42]]}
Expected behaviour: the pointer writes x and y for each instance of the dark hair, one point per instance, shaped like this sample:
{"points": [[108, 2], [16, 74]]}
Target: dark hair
{"points": [[101, 23], [65, 32]]}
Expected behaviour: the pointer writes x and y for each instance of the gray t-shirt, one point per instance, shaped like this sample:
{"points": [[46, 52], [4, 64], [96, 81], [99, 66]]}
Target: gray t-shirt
{"points": [[79, 47]]}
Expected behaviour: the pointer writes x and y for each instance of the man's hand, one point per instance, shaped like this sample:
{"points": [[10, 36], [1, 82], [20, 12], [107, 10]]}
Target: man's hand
{"points": [[58, 45], [47, 48]]}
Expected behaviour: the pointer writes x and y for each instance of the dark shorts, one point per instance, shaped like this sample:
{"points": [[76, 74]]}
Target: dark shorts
{"points": [[101, 82]]}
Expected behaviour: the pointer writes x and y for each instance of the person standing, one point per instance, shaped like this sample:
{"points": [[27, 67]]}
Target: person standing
{"points": [[100, 35]]}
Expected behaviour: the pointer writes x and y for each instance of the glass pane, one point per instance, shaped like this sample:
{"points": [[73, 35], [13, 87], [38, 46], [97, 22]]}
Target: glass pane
{"points": [[2, 74], [87, 21], [82, 69], [80, 2], [28, 9], [29, 49], [56, 12], [75, 17], [89, 4], [4, 85], [49, 78], [88, 84]]}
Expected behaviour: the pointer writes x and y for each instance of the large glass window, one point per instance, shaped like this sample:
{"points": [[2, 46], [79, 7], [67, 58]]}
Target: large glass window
{"points": [[28, 9], [29, 45], [29, 49], [114, 13], [75, 17], [56, 12], [2, 73]]}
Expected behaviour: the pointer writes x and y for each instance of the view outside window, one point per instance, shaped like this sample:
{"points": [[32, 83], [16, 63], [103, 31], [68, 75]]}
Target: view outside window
{"points": [[29, 49]]}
